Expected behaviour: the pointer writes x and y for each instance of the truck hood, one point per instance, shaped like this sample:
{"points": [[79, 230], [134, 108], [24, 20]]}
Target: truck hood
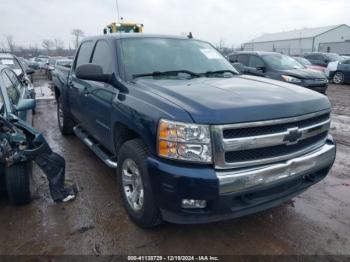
{"points": [[303, 73], [237, 99]]}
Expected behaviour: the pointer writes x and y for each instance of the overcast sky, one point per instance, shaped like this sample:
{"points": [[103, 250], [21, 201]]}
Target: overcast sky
{"points": [[234, 21]]}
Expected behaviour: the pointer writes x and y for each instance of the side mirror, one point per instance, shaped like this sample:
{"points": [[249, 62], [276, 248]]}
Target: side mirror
{"points": [[30, 71], [92, 72], [261, 69], [25, 104], [255, 71]]}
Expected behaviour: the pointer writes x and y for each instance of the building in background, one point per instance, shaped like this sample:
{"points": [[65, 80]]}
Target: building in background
{"points": [[335, 39]]}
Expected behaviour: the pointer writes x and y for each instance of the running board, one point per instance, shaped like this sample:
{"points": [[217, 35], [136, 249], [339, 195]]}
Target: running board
{"points": [[96, 148]]}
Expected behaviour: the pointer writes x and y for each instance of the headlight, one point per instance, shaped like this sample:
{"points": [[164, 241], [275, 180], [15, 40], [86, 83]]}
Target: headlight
{"points": [[291, 79], [189, 142]]}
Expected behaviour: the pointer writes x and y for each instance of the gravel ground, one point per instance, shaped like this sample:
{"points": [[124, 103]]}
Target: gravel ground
{"points": [[316, 222]]}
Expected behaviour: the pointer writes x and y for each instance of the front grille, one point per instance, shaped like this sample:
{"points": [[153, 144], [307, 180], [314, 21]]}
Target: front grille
{"points": [[274, 151], [249, 144], [269, 129]]}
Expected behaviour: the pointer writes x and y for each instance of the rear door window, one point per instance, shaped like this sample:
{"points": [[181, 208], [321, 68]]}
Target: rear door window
{"points": [[103, 57], [84, 54], [11, 89], [15, 81]]}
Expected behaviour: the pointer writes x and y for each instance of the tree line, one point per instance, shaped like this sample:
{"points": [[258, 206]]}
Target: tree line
{"points": [[50, 47]]}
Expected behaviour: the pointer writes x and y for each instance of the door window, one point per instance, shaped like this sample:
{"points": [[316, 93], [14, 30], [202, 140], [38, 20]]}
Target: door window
{"points": [[243, 59], [233, 58], [11, 89], [255, 62], [14, 79], [102, 57], [84, 54]]}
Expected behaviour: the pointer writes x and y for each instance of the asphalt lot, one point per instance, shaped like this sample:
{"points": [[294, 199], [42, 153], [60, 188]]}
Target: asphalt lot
{"points": [[316, 222]]}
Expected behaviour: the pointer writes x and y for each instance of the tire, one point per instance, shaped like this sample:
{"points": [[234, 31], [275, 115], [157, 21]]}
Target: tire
{"points": [[17, 183], [338, 78], [146, 214], [65, 122]]}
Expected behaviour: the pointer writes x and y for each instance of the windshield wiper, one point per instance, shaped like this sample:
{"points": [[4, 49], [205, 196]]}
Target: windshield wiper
{"points": [[210, 73], [167, 73]]}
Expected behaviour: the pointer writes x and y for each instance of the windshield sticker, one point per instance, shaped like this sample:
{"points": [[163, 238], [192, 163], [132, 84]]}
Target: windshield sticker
{"points": [[7, 62], [211, 54]]}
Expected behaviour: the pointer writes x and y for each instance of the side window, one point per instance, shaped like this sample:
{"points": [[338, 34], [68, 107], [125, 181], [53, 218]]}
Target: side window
{"points": [[311, 57], [102, 57], [11, 90], [233, 58], [84, 54], [319, 57], [255, 62], [14, 79], [243, 59]]}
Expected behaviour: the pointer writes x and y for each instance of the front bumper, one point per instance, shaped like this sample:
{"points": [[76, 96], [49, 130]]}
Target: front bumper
{"points": [[321, 88], [238, 192]]}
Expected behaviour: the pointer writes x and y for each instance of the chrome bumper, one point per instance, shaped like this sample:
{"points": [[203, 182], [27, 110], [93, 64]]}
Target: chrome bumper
{"points": [[244, 179]]}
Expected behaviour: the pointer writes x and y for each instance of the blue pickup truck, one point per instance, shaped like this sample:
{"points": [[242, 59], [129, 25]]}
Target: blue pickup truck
{"points": [[191, 139]]}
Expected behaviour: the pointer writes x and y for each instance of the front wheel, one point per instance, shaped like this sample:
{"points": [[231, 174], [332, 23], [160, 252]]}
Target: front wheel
{"points": [[135, 185], [18, 183], [65, 123], [338, 78]]}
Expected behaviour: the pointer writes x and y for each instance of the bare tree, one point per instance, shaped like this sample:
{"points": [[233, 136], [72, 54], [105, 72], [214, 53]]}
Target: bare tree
{"points": [[59, 45], [77, 33], [3, 47], [47, 45], [10, 42]]}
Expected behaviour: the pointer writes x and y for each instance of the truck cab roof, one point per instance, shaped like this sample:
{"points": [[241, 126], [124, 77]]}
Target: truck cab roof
{"points": [[133, 35]]}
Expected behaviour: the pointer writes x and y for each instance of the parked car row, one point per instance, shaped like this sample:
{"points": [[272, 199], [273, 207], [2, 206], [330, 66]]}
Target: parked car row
{"points": [[53, 62], [22, 70], [279, 67], [297, 70]]}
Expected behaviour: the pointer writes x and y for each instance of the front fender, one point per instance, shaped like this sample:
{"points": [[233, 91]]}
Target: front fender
{"points": [[141, 113]]}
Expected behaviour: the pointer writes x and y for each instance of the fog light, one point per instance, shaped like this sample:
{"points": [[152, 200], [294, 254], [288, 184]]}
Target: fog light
{"points": [[192, 203]]}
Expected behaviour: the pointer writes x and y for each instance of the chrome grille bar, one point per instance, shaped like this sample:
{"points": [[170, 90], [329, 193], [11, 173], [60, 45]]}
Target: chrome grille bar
{"points": [[289, 136], [251, 142]]}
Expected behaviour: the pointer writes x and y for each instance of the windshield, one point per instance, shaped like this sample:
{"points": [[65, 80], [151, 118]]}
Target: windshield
{"points": [[282, 62], [147, 55], [334, 57], [10, 62], [302, 61]]}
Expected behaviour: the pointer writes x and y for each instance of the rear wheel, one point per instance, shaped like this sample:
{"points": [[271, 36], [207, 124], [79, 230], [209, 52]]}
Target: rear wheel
{"points": [[18, 183], [65, 122], [135, 185], [338, 78]]}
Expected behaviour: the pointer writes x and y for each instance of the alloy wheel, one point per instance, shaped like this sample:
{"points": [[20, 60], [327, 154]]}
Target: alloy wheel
{"points": [[132, 184]]}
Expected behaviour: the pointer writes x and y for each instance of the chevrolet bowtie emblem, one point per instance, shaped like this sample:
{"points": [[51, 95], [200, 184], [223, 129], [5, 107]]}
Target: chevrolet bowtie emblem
{"points": [[293, 136]]}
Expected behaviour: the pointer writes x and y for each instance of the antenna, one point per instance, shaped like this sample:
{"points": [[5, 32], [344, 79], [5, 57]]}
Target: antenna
{"points": [[118, 16]]}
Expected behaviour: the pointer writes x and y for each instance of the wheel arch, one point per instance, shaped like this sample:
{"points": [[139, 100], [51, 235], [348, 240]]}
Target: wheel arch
{"points": [[123, 132]]}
